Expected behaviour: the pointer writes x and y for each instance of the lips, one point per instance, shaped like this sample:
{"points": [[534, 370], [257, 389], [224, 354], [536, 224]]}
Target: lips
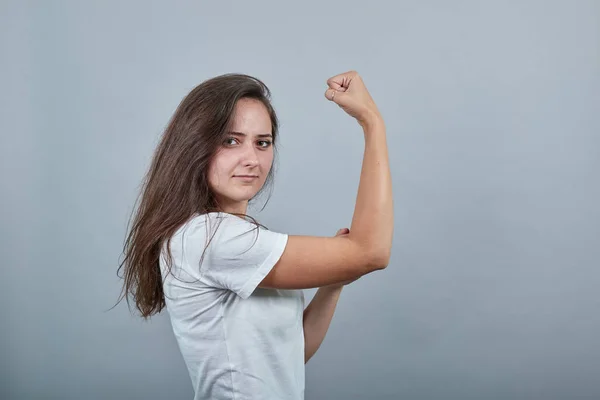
{"points": [[245, 176]]}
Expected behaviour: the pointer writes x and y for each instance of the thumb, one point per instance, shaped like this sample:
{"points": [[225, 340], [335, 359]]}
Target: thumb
{"points": [[334, 95]]}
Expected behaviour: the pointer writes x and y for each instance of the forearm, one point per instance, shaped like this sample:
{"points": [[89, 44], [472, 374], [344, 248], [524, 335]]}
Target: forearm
{"points": [[317, 318], [373, 219]]}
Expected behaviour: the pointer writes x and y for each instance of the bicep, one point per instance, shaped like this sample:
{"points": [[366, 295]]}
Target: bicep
{"points": [[312, 261]]}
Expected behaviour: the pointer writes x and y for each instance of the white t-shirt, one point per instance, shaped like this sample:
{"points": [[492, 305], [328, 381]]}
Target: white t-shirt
{"points": [[239, 342]]}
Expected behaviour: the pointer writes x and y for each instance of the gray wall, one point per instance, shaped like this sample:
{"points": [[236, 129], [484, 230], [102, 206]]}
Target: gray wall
{"points": [[492, 116]]}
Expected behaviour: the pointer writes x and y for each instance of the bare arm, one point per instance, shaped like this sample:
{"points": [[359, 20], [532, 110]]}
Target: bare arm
{"points": [[373, 220], [376, 221], [310, 261], [317, 318]]}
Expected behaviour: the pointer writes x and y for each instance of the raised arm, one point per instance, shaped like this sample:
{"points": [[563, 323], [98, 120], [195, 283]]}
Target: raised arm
{"points": [[313, 261]]}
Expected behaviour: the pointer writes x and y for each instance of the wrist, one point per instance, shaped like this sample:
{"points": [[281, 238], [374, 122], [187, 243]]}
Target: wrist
{"points": [[371, 120]]}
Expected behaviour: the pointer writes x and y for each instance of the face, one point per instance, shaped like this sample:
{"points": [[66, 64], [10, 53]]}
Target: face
{"points": [[246, 151]]}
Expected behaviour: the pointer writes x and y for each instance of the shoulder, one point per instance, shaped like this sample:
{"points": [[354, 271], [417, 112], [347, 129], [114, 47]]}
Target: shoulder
{"points": [[220, 227], [199, 223]]}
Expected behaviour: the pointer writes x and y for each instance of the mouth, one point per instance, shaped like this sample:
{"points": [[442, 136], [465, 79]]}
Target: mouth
{"points": [[246, 178]]}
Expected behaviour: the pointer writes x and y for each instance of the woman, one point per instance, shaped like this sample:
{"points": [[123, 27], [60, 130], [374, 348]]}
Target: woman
{"points": [[230, 285]]}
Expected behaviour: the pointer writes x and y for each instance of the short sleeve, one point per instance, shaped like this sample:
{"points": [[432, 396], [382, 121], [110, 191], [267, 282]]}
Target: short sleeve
{"points": [[240, 254]]}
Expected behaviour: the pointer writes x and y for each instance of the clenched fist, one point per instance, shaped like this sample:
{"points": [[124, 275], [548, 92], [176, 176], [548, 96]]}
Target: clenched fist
{"points": [[349, 92]]}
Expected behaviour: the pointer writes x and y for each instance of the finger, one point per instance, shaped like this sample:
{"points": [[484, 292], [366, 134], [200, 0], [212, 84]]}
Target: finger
{"points": [[342, 231], [342, 81], [330, 94], [339, 86]]}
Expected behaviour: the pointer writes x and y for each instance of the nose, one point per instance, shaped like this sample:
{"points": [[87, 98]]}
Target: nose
{"points": [[251, 163], [250, 157]]}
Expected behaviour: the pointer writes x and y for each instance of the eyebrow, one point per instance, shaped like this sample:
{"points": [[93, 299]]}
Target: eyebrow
{"points": [[265, 135]]}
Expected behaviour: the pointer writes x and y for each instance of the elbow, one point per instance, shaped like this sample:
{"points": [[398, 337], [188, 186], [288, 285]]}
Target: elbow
{"points": [[380, 259], [373, 256], [384, 261]]}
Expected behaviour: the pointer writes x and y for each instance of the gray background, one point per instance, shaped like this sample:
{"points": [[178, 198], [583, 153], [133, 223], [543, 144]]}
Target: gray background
{"points": [[492, 117]]}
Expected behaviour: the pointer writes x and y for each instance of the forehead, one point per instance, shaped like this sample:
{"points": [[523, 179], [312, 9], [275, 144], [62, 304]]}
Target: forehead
{"points": [[251, 117]]}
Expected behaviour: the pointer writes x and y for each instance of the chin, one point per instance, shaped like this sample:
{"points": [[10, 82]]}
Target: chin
{"points": [[238, 197]]}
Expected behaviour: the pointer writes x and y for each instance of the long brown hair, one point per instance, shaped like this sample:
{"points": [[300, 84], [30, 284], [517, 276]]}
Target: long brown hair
{"points": [[176, 184]]}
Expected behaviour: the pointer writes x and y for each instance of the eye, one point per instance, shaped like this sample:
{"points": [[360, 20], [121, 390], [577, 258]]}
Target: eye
{"points": [[262, 143], [229, 139]]}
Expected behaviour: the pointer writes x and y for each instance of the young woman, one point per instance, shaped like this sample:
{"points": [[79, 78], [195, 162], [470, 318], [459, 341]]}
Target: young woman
{"points": [[230, 285]]}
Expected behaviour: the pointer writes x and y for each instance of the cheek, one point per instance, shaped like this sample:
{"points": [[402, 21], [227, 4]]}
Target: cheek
{"points": [[267, 161], [214, 173]]}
